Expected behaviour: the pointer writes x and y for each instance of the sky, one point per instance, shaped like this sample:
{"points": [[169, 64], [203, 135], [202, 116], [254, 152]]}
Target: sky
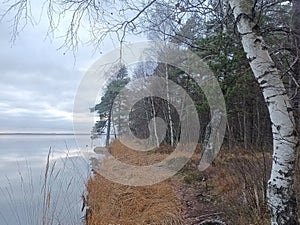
{"points": [[38, 81]]}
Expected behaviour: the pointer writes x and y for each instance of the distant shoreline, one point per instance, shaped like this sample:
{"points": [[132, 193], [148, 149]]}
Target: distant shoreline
{"points": [[39, 134]]}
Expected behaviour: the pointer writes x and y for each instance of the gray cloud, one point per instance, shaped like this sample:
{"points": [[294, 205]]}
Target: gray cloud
{"points": [[38, 82]]}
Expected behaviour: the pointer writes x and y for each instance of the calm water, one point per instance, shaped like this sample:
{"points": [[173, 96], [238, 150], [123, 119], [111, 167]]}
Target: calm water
{"points": [[22, 180]]}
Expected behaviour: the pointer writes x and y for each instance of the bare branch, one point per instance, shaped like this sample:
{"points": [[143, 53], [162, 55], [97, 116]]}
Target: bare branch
{"points": [[21, 11]]}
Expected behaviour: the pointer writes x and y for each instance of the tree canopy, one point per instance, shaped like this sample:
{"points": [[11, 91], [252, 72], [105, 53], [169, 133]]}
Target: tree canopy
{"points": [[117, 82]]}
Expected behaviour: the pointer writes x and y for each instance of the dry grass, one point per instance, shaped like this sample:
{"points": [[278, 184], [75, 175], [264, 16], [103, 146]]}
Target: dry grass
{"points": [[112, 203], [240, 184], [233, 190], [144, 158], [47, 199], [140, 158]]}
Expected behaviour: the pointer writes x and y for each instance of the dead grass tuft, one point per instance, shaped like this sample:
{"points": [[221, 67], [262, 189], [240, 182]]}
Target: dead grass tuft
{"points": [[241, 184], [112, 203]]}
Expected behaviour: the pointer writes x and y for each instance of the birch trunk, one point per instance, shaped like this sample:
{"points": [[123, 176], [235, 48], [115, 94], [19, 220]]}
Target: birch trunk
{"points": [[168, 105], [281, 194]]}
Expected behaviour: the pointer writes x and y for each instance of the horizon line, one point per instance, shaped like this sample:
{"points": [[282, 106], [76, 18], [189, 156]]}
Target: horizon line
{"points": [[41, 133]]}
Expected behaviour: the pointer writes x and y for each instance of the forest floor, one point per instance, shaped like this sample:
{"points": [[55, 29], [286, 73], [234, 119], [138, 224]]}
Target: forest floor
{"points": [[231, 191]]}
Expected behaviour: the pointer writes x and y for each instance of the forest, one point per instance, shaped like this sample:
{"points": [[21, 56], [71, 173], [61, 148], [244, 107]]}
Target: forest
{"points": [[252, 48]]}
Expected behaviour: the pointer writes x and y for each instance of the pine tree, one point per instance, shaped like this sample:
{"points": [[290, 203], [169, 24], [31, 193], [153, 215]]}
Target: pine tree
{"points": [[105, 107]]}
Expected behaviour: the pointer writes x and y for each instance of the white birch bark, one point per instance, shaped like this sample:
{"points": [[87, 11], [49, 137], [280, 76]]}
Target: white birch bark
{"points": [[281, 195], [168, 105]]}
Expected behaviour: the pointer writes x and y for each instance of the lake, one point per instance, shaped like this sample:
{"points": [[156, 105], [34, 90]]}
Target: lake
{"points": [[25, 194]]}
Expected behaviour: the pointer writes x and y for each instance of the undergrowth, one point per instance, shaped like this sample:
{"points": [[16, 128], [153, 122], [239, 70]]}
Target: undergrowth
{"points": [[231, 191]]}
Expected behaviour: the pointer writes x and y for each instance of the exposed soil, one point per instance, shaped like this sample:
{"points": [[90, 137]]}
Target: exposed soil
{"points": [[197, 206]]}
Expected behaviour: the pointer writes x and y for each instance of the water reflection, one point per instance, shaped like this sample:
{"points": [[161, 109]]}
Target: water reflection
{"points": [[25, 194]]}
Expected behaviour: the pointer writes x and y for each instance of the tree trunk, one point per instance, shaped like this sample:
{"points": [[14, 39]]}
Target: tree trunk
{"points": [[108, 126], [168, 105], [245, 130], [258, 130], [210, 140], [154, 122], [281, 194]]}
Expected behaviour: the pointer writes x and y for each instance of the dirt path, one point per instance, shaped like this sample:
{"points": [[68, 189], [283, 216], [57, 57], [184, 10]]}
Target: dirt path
{"points": [[198, 204]]}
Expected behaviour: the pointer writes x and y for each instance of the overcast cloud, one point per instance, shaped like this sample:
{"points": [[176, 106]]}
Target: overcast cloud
{"points": [[38, 82]]}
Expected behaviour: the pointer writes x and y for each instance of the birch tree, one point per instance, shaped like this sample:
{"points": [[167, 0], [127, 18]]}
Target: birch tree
{"points": [[281, 195]]}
